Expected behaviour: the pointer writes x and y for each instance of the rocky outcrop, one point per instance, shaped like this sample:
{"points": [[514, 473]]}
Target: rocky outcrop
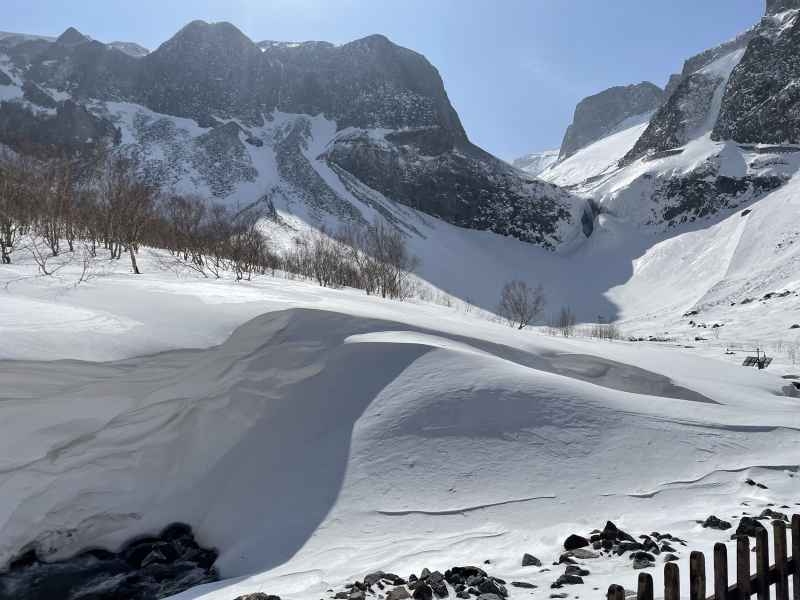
{"points": [[675, 123], [762, 100], [465, 187], [72, 129], [598, 115], [778, 6], [146, 568]]}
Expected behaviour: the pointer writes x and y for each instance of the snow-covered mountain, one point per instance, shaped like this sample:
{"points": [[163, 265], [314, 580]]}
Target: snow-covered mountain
{"points": [[313, 127], [316, 436], [535, 163], [598, 115], [698, 194]]}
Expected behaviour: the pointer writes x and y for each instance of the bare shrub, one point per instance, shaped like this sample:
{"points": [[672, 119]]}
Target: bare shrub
{"points": [[521, 304], [566, 322]]}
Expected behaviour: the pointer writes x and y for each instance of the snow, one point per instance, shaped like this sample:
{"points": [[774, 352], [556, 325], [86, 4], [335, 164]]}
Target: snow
{"points": [[535, 163], [599, 157], [316, 435], [350, 433]]}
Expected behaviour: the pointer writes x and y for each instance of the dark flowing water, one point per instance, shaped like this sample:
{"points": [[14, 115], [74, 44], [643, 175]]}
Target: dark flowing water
{"points": [[145, 569]]}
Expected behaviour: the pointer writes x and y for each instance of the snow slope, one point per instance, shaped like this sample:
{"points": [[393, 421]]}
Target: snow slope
{"points": [[535, 163], [599, 157], [316, 435]]}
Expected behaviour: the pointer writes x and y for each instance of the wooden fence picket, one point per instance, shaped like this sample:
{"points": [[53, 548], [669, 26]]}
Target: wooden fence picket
{"points": [[747, 584]]}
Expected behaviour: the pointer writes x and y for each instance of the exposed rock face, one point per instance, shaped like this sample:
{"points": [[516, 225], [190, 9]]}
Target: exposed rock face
{"points": [[598, 115], [72, 129], [779, 6], [685, 112], [467, 188], [762, 100], [407, 142]]}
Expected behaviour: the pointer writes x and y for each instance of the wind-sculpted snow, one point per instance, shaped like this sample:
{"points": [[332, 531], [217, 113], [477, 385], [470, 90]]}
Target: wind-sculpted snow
{"points": [[312, 446]]}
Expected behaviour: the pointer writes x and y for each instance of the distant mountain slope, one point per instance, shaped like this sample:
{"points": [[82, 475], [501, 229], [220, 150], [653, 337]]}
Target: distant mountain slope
{"points": [[598, 115], [535, 163], [217, 114]]}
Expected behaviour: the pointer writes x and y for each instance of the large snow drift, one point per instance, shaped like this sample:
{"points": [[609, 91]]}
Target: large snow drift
{"points": [[313, 446]]}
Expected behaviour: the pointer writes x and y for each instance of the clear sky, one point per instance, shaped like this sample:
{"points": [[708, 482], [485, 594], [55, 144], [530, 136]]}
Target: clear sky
{"points": [[514, 69]]}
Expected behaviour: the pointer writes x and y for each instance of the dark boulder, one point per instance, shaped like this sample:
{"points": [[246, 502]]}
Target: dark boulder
{"points": [[714, 522], [528, 560], [574, 542], [748, 526]]}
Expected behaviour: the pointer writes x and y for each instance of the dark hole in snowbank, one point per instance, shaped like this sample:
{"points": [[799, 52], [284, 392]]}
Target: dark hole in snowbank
{"points": [[146, 568]]}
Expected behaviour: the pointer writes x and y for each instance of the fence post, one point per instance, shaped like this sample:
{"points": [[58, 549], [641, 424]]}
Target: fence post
{"points": [[645, 591], [743, 567], [762, 564], [697, 576], [616, 592], [672, 582], [720, 572], [782, 576], [796, 557]]}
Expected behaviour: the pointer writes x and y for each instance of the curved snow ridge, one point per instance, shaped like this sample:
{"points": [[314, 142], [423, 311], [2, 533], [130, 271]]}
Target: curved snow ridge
{"points": [[324, 443], [414, 338], [462, 510]]}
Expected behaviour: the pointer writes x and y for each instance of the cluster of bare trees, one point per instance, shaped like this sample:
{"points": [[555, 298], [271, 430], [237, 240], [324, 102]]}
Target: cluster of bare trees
{"points": [[110, 206], [373, 258], [46, 205]]}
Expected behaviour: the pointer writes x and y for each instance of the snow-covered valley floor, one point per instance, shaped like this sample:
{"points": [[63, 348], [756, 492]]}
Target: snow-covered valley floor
{"points": [[315, 435]]}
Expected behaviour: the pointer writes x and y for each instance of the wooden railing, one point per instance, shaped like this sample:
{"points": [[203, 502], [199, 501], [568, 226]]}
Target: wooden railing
{"points": [[747, 584]]}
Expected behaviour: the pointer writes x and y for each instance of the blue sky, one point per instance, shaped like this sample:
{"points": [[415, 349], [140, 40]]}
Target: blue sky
{"points": [[514, 69]]}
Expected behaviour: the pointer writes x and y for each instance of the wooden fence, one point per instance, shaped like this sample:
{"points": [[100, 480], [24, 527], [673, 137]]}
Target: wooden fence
{"points": [[747, 584]]}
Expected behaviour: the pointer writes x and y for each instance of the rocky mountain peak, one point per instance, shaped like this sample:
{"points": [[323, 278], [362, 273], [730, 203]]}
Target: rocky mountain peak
{"points": [[219, 36], [71, 37], [775, 7], [598, 115]]}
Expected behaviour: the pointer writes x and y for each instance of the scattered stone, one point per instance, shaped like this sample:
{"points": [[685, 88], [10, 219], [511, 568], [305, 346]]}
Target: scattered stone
{"points": [[491, 585], [642, 563], [558, 595], [576, 570], [373, 578], [641, 555], [257, 596], [773, 514], [584, 554], [489, 597], [567, 579], [529, 560], [665, 547], [524, 585], [574, 542], [670, 558], [714, 522], [748, 526], [398, 593], [436, 582], [423, 592]]}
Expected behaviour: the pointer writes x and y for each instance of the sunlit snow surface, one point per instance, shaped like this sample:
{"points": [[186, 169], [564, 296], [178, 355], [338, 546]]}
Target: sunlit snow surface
{"points": [[316, 435]]}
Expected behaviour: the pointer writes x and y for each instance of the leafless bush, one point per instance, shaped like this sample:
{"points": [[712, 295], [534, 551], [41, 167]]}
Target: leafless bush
{"points": [[606, 331], [565, 323], [520, 304]]}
